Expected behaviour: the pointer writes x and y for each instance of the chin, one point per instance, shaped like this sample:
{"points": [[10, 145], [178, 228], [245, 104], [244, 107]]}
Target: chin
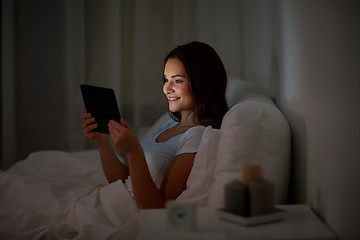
{"points": [[173, 109]]}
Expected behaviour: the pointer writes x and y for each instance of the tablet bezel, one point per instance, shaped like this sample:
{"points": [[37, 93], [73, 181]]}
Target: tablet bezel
{"points": [[101, 103]]}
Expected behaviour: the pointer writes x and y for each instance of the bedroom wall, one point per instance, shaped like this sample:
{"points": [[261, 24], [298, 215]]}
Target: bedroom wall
{"points": [[306, 54], [321, 70], [39, 63], [42, 69], [7, 72], [53, 46]]}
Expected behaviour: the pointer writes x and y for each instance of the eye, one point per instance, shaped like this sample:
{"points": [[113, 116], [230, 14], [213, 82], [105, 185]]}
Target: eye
{"points": [[178, 81], [165, 80]]}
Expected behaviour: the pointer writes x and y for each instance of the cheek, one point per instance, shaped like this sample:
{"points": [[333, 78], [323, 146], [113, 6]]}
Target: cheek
{"points": [[190, 97]]}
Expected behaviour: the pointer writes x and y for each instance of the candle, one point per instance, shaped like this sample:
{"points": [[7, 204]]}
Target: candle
{"points": [[261, 197], [252, 172], [237, 198]]}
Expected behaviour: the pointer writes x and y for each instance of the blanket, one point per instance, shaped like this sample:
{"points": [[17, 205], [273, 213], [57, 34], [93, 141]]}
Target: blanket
{"points": [[61, 195]]}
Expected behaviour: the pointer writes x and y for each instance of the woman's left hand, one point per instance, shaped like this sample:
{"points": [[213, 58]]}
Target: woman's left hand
{"points": [[124, 136]]}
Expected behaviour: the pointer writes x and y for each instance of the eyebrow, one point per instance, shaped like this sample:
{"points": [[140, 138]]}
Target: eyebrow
{"points": [[176, 75]]}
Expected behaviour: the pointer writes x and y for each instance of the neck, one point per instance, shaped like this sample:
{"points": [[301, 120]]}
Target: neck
{"points": [[188, 120]]}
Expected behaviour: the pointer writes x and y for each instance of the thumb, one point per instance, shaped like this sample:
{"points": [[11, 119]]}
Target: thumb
{"points": [[124, 123]]}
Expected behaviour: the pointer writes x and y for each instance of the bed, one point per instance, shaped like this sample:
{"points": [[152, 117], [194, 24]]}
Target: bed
{"points": [[65, 195]]}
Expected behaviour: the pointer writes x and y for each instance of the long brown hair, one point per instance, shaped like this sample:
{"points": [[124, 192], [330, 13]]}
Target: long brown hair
{"points": [[208, 80]]}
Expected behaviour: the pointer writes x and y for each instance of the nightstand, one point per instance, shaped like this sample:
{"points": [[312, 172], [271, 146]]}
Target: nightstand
{"points": [[300, 223]]}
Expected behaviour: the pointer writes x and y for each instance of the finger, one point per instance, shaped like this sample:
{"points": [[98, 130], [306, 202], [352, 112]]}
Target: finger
{"points": [[93, 126], [89, 128], [86, 116], [126, 125], [88, 121], [115, 125], [113, 129], [114, 133]]}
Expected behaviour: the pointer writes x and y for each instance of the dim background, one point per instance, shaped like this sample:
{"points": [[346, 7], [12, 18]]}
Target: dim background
{"points": [[304, 54]]}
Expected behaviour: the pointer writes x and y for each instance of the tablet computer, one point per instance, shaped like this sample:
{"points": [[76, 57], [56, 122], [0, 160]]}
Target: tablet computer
{"points": [[101, 103]]}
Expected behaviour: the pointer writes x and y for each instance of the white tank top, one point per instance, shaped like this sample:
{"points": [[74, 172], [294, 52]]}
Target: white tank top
{"points": [[159, 155]]}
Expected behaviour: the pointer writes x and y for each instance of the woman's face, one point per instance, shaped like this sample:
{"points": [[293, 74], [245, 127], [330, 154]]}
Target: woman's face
{"points": [[176, 87]]}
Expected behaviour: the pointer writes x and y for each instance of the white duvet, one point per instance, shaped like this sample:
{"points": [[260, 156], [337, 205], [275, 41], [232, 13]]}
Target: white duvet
{"points": [[60, 195]]}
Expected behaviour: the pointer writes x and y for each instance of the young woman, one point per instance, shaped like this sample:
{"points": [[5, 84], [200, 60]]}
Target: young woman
{"points": [[194, 84]]}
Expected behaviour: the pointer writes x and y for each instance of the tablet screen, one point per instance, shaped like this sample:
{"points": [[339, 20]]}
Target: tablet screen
{"points": [[101, 103]]}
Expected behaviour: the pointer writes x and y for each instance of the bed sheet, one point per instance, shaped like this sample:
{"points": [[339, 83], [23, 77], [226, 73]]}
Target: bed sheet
{"points": [[61, 195]]}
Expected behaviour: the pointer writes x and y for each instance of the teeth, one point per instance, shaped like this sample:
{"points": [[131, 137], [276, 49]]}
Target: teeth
{"points": [[173, 98]]}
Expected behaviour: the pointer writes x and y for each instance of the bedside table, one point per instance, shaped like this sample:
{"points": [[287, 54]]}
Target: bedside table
{"points": [[300, 223]]}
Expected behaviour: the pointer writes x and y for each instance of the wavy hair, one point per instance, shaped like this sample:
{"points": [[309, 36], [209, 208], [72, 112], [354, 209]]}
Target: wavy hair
{"points": [[207, 77]]}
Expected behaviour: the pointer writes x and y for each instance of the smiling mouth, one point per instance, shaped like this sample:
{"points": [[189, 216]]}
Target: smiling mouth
{"points": [[171, 99]]}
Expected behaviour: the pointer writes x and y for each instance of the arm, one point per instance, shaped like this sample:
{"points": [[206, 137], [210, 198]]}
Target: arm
{"points": [[147, 195], [113, 168], [175, 180]]}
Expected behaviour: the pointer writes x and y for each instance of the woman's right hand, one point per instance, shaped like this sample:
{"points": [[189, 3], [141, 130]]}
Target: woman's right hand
{"points": [[88, 125]]}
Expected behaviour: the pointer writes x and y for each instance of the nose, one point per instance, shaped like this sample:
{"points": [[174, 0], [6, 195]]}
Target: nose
{"points": [[168, 88]]}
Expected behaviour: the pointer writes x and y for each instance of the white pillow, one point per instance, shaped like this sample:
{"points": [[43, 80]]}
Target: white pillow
{"points": [[236, 89], [253, 130], [201, 175]]}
